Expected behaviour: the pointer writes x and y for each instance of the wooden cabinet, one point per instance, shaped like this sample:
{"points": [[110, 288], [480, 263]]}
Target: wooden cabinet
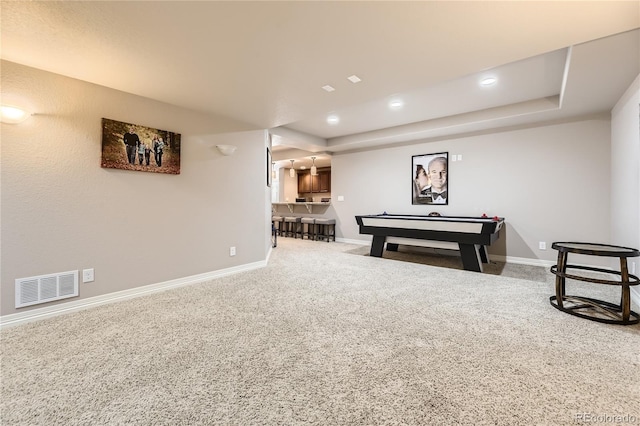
{"points": [[311, 184], [304, 182], [324, 180]]}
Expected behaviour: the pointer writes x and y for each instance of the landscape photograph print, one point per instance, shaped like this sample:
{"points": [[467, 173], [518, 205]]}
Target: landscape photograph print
{"points": [[134, 147]]}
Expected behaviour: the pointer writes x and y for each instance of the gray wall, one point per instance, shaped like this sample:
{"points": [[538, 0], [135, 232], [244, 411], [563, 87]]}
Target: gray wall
{"points": [[61, 211], [551, 183]]}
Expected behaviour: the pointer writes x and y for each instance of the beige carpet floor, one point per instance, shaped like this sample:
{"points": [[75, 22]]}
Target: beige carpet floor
{"points": [[325, 335]]}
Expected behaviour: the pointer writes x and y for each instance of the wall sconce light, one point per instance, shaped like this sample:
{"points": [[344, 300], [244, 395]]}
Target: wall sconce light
{"points": [[226, 149], [292, 171], [274, 175], [13, 115], [314, 169]]}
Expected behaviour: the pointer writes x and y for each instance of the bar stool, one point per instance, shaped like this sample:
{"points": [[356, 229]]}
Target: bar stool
{"points": [[291, 226], [311, 228], [326, 229], [277, 222]]}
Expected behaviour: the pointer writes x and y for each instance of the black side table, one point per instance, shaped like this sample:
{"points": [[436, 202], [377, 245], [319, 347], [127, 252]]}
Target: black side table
{"points": [[584, 307]]}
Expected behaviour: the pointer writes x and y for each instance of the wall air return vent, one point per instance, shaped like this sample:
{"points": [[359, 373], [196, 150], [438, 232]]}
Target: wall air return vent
{"points": [[46, 288]]}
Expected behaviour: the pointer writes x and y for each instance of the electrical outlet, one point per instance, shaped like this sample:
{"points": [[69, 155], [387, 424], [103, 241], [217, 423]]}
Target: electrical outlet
{"points": [[633, 267], [542, 245], [232, 251], [87, 275]]}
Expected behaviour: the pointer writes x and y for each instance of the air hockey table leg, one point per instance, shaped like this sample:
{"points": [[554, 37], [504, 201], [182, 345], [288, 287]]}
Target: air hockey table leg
{"points": [[392, 247], [470, 254], [377, 245]]}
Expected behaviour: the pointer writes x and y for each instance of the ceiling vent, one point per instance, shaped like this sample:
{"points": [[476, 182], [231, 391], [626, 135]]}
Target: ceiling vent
{"points": [[46, 288]]}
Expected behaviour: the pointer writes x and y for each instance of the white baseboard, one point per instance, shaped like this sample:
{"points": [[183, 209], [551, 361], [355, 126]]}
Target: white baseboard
{"points": [[358, 242], [523, 260], [77, 305]]}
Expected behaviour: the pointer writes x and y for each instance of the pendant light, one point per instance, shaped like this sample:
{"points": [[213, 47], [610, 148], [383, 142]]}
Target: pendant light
{"points": [[314, 169], [292, 171]]}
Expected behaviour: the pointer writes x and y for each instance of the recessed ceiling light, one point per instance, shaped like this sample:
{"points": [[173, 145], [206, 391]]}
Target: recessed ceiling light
{"points": [[396, 104], [13, 115], [333, 119], [354, 79], [489, 81], [328, 88]]}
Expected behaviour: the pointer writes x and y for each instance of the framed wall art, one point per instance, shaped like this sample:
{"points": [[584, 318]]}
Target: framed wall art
{"points": [[134, 147], [269, 168], [430, 180]]}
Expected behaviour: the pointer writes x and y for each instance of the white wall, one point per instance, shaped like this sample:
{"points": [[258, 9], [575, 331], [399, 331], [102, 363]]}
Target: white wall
{"points": [[625, 168], [61, 211], [625, 176], [550, 183]]}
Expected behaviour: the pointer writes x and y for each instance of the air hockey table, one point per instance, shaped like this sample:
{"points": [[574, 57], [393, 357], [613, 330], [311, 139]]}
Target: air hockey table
{"points": [[470, 235]]}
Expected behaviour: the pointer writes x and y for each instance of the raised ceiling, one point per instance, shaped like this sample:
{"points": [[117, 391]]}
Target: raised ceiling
{"points": [[264, 63]]}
